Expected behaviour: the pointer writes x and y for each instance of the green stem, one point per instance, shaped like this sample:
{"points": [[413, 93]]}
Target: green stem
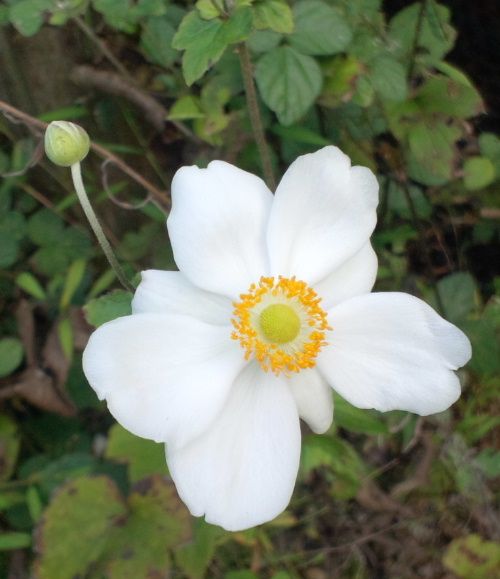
{"points": [[76, 174], [255, 118]]}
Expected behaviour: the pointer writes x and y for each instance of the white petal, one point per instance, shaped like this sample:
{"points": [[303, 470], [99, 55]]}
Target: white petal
{"points": [[354, 277], [391, 351], [164, 377], [242, 471], [217, 227], [169, 292], [323, 213], [313, 398]]}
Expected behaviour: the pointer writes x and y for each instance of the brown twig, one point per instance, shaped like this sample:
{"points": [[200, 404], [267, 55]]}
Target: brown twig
{"points": [[115, 84], [162, 197]]}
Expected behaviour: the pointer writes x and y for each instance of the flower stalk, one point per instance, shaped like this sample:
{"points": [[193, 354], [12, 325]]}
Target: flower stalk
{"points": [[76, 175], [255, 118]]}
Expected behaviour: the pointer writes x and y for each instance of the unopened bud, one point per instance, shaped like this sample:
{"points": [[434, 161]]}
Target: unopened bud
{"points": [[66, 143]]}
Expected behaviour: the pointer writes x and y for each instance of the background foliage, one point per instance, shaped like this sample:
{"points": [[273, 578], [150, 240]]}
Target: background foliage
{"points": [[160, 84]]}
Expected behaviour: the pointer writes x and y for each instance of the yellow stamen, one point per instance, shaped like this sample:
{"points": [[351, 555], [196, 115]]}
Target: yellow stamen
{"points": [[281, 324]]}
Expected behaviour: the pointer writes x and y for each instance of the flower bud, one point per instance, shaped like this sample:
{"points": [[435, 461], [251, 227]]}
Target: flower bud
{"points": [[66, 143]]}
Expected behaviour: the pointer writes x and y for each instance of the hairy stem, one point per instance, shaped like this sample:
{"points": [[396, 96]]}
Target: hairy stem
{"points": [[76, 174], [255, 118]]}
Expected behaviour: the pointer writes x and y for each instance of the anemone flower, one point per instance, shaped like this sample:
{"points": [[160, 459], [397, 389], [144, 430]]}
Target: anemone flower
{"points": [[270, 310]]}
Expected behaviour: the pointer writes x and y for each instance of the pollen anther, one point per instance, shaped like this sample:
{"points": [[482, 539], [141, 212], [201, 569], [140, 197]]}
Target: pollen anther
{"points": [[280, 323]]}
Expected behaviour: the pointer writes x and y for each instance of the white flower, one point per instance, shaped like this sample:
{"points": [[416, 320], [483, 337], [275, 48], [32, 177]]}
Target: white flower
{"points": [[271, 309]]}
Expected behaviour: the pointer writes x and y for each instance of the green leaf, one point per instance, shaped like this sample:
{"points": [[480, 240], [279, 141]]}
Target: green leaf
{"points": [[9, 446], [9, 250], [31, 285], [288, 82], [11, 355], [45, 228], [451, 98], [388, 77], [156, 523], [143, 457], [357, 420], [319, 28], [74, 278], [118, 14], [204, 41], [77, 521], [432, 150], [13, 224], [108, 307], [13, 540], [458, 294], [156, 41], [263, 41], [489, 145], [195, 557], [432, 41], [471, 557], [273, 14], [27, 15], [186, 108], [341, 460], [479, 172]]}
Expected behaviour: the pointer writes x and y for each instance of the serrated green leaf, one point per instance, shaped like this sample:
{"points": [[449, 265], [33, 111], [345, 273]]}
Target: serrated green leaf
{"points": [[143, 457], [274, 15], [319, 28], [108, 307], [288, 82], [11, 355], [204, 41], [479, 172]]}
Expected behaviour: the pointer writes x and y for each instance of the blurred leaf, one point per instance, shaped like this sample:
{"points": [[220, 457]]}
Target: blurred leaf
{"points": [[388, 77], [34, 503], [63, 469], [489, 460], [339, 457], [9, 446], [66, 338], [204, 41], [471, 557], [301, 134], [263, 40], [489, 145], [432, 150], [357, 420], [143, 457], [195, 557], [11, 355], [9, 250], [27, 15], [13, 225], [31, 285], [432, 39], [448, 97], [288, 82], [319, 28], [479, 172], [45, 228], [74, 278], [12, 540], [108, 307], [273, 14], [78, 522], [186, 108], [156, 41], [458, 295], [240, 575]]}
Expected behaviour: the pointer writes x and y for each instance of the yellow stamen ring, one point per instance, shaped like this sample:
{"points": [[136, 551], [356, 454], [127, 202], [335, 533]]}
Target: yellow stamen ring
{"points": [[281, 324]]}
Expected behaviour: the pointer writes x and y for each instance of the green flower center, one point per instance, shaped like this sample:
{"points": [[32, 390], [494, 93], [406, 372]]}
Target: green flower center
{"points": [[279, 323]]}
